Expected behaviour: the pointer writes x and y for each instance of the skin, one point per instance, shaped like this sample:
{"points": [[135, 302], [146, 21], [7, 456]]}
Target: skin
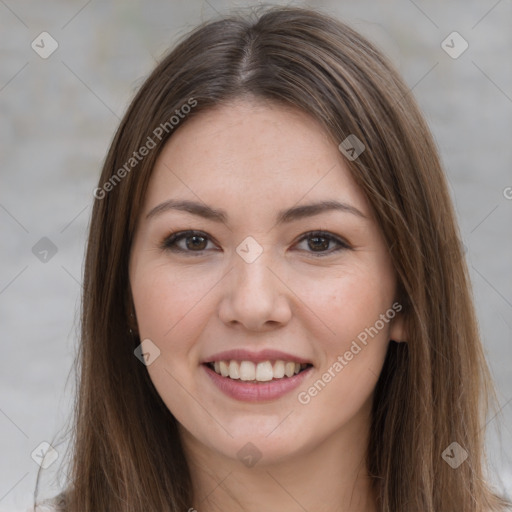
{"points": [[252, 159]]}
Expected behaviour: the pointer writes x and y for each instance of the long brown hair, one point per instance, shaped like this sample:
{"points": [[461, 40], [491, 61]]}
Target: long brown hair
{"points": [[433, 390]]}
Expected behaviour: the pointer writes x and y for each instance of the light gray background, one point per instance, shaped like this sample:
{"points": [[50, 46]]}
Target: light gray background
{"points": [[58, 116]]}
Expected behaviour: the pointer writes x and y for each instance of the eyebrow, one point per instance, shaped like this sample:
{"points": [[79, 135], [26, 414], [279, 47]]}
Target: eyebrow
{"points": [[284, 216]]}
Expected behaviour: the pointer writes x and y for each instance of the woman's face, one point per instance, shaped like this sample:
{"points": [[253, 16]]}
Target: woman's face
{"points": [[255, 294]]}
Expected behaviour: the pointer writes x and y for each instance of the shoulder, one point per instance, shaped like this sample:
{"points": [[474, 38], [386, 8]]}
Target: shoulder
{"points": [[43, 507], [56, 504]]}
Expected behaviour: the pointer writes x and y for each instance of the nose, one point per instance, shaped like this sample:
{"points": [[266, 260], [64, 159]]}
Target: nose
{"points": [[255, 295]]}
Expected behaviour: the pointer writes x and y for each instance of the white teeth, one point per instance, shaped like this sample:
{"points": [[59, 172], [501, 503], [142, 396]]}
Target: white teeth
{"points": [[247, 370], [224, 369], [278, 369], [289, 369], [262, 372], [234, 370]]}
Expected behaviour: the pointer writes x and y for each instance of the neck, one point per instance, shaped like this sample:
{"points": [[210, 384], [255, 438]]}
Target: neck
{"points": [[327, 477]]}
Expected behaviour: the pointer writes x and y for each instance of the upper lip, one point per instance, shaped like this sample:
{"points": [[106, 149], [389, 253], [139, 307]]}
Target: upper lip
{"points": [[256, 357]]}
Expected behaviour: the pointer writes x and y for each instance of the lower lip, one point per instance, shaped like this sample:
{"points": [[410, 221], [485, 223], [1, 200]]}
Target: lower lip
{"points": [[251, 392]]}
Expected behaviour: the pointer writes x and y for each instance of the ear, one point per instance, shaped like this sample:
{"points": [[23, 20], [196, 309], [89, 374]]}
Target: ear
{"points": [[132, 321], [397, 331], [131, 316]]}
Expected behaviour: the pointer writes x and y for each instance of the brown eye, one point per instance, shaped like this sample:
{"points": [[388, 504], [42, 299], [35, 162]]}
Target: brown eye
{"points": [[194, 242], [318, 242]]}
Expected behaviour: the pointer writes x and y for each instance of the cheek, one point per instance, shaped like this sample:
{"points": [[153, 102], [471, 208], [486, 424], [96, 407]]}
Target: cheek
{"points": [[172, 308], [352, 358], [348, 304], [357, 308], [168, 301], [337, 398]]}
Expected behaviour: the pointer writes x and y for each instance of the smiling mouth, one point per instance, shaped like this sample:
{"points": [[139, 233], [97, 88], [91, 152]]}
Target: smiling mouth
{"points": [[264, 371]]}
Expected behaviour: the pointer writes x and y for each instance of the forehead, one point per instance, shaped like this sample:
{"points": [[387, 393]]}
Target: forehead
{"points": [[250, 150]]}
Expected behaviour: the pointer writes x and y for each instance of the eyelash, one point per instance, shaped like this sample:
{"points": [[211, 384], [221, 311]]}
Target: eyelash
{"points": [[169, 243]]}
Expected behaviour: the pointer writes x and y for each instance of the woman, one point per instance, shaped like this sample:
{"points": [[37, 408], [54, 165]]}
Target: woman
{"points": [[276, 310]]}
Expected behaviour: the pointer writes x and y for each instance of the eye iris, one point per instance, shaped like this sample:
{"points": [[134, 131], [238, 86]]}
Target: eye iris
{"points": [[323, 245], [202, 243]]}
